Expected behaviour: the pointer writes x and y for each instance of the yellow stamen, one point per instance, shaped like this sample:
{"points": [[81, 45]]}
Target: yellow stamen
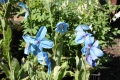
{"points": [[26, 45], [43, 61]]}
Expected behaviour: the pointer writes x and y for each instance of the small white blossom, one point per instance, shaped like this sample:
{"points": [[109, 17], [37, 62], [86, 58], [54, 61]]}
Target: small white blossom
{"points": [[91, 28], [117, 15]]}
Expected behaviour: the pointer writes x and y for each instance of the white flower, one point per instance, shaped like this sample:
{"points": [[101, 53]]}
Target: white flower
{"points": [[91, 28], [117, 15], [114, 19], [79, 17]]}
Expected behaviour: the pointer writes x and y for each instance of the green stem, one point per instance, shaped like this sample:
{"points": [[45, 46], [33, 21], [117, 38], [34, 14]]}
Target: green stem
{"points": [[84, 67], [30, 19], [59, 51]]}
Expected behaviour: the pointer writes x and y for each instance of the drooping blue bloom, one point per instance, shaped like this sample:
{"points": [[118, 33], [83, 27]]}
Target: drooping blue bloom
{"points": [[44, 60], [82, 27], [61, 27], [91, 60], [3, 1], [25, 8], [92, 47], [40, 42], [80, 38]]}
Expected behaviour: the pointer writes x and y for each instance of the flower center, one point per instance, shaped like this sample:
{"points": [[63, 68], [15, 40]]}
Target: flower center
{"points": [[89, 46], [26, 45], [38, 41], [93, 63], [84, 36]]}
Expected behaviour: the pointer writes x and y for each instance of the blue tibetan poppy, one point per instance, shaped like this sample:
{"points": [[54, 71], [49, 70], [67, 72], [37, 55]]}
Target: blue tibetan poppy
{"points": [[40, 42], [25, 8], [92, 47], [61, 27], [44, 60]]}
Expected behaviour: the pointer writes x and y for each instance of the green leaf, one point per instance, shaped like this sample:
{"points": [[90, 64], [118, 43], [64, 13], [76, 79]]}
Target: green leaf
{"points": [[5, 69], [6, 44], [77, 77], [56, 69], [26, 78], [64, 65], [42, 75], [15, 69], [54, 49], [82, 74], [60, 74], [2, 22], [77, 61]]}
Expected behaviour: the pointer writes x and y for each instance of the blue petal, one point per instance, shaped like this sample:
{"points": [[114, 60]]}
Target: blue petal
{"points": [[59, 30], [85, 51], [91, 59], [85, 27], [56, 30], [45, 43], [86, 42], [29, 39], [89, 41], [41, 33], [26, 14], [40, 47], [81, 28], [63, 24], [97, 52], [27, 49], [80, 37], [22, 5], [3, 1], [96, 43], [49, 68], [43, 56], [62, 31], [30, 48], [61, 27], [40, 57]]}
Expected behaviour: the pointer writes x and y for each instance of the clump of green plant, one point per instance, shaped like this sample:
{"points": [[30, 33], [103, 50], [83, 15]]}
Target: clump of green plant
{"points": [[64, 50]]}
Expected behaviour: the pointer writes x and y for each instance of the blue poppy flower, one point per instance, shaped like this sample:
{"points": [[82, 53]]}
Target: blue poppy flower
{"points": [[40, 42], [44, 60], [61, 27], [91, 47], [91, 60], [80, 38], [82, 27], [3, 1], [25, 8]]}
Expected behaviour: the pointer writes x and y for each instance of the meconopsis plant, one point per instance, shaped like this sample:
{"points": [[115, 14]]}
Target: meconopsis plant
{"points": [[91, 49], [61, 29], [36, 45]]}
